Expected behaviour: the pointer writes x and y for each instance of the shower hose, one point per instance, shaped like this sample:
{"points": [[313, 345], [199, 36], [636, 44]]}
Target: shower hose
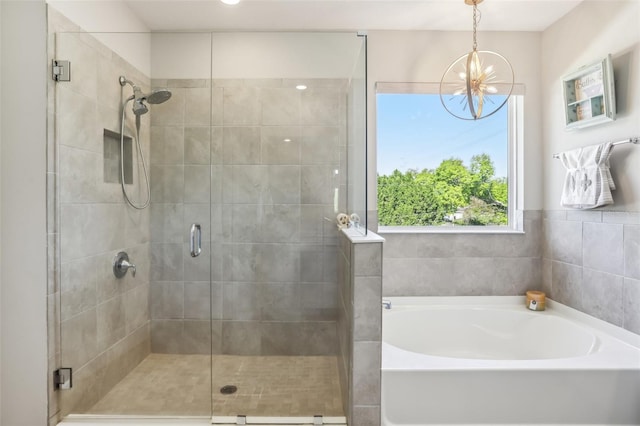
{"points": [[144, 166]]}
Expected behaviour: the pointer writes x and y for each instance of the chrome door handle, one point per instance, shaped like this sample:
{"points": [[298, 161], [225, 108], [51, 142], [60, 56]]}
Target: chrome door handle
{"points": [[195, 242]]}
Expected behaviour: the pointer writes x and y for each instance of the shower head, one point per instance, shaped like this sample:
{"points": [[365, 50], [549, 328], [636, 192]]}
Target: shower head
{"points": [[158, 96]]}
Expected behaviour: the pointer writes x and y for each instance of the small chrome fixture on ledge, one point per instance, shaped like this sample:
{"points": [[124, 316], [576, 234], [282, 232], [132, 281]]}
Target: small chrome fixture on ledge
{"points": [[121, 265], [386, 304]]}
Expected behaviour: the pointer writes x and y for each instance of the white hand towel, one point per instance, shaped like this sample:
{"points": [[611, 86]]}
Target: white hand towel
{"points": [[588, 182]]}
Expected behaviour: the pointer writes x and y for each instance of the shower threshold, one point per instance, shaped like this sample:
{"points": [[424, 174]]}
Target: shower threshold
{"points": [[110, 420], [277, 421]]}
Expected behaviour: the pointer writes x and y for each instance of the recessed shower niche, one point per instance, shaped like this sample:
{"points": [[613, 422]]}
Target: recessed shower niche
{"points": [[112, 158]]}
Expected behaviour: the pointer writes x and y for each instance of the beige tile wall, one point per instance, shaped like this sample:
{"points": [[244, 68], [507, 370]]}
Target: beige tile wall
{"points": [[585, 259], [591, 262], [360, 329], [98, 325], [464, 264], [266, 207]]}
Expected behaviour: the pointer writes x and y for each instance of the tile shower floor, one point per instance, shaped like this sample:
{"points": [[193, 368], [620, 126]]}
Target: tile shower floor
{"points": [[167, 384]]}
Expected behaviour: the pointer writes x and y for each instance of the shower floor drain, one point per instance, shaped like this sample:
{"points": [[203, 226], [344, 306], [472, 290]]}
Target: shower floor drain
{"points": [[228, 389]]}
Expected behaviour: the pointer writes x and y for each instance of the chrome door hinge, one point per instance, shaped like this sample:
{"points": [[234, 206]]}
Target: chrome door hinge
{"points": [[63, 378], [61, 70]]}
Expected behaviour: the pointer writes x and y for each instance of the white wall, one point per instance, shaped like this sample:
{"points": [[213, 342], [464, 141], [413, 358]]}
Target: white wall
{"points": [[181, 56], [23, 341], [593, 30], [253, 55], [117, 24], [422, 56], [285, 55], [188, 55], [0, 212]]}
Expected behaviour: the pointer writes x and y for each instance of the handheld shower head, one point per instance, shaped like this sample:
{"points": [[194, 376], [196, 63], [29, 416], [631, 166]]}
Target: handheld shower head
{"points": [[139, 107]]}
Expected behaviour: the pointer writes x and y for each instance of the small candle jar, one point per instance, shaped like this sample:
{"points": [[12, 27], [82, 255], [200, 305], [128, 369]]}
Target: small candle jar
{"points": [[535, 300]]}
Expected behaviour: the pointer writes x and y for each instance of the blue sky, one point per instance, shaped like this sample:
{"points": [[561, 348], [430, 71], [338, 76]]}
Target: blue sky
{"points": [[416, 132]]}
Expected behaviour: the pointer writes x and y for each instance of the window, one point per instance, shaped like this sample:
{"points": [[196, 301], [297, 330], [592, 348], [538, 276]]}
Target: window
{"points": [[439, 173]]}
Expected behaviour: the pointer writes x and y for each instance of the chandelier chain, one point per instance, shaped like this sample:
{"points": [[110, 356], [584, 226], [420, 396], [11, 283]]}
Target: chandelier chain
{"points": [[475, 25]]}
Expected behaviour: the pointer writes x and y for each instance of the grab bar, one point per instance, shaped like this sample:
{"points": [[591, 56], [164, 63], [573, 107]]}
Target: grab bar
{"points": [[195, 240]]}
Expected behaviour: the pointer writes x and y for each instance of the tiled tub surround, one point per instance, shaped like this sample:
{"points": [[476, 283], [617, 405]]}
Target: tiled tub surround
{"points": [[103, 322], [464, 264], [591, 262], [258, 158], [360, 325]]}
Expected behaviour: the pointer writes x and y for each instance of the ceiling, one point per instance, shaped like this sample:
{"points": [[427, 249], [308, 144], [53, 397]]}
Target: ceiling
{"points": [[447, 15]]}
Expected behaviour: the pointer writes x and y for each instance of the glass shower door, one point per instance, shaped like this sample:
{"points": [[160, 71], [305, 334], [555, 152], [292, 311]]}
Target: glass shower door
{"points": [[137, 334], [182, 234], [282, 158], [356, 181]]}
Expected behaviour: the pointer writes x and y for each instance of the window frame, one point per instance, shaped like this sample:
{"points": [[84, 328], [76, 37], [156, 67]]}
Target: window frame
{"points": [[515, 166]]}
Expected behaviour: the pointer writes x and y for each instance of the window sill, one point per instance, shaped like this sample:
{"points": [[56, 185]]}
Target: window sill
{"points": [[448, 230]]}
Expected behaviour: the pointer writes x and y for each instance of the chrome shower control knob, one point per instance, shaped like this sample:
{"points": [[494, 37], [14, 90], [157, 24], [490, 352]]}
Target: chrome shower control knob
{"points": [[121, 265]]}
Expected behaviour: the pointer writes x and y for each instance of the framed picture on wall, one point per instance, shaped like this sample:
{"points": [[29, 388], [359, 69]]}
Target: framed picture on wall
{"points": [[589, 96]]}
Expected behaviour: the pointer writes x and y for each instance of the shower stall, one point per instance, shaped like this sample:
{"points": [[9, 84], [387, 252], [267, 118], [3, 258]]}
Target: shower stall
{"points": [[226, 306]]}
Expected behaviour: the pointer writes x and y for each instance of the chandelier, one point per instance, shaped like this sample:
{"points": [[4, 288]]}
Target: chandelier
{"points": [[477, 84]]}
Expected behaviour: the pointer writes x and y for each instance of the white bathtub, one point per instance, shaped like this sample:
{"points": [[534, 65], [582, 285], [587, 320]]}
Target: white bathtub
{"points": [[489, 360]]}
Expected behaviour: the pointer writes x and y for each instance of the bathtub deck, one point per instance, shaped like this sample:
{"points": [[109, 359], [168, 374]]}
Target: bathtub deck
{"points": [[601, 386]]}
